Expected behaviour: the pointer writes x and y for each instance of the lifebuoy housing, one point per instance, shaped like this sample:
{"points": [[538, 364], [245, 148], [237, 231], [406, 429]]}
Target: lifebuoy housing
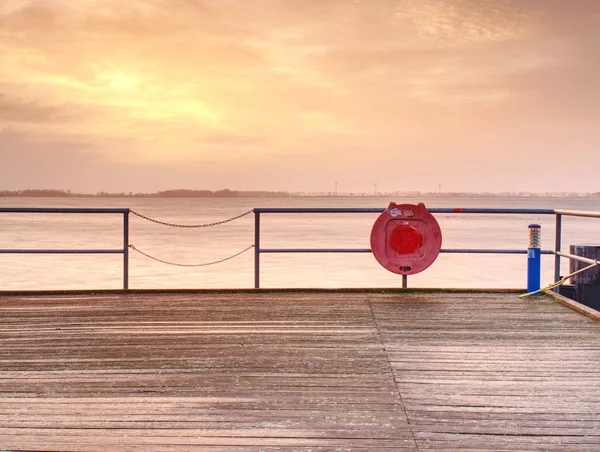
{"points": [[406, 238]]}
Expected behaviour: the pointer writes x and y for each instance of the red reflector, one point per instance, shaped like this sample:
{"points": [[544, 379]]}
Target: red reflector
{"points": [[406, 240]]}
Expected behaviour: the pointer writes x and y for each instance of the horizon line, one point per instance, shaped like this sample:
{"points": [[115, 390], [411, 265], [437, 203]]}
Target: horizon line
{"points": [[228, 193]]}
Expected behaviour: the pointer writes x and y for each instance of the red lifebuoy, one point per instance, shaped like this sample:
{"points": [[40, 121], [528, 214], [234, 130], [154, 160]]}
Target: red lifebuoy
{"points": [[406, 238]]}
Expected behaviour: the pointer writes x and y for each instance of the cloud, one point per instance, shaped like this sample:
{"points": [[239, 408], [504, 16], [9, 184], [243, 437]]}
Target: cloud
{"points": [[233, 82], [471, 21], [15, 109]]}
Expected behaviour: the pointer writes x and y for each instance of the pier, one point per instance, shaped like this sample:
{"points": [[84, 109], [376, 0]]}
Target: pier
{"points": [[297, 370]]}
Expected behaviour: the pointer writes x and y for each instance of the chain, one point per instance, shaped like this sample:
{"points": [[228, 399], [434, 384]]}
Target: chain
{"points": [[206, 225], [191, 265]]}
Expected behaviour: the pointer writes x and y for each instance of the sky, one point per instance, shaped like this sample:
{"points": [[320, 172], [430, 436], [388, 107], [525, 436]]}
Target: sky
{"points": [[300, 95]]}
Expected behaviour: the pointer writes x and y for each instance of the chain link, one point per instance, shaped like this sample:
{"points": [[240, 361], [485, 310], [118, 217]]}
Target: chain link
{"points": [[190, 265], [206, 225]]}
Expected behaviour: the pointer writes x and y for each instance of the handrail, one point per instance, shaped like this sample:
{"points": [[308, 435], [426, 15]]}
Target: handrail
{"points": [[585, 260], [368, 250], [260, 210], [78, 210], [292, 210], [62, 210], [578, 213], [469, 210], [61, 251]]}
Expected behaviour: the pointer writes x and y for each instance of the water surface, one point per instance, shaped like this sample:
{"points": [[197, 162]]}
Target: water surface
{"points": [[196, 246]]}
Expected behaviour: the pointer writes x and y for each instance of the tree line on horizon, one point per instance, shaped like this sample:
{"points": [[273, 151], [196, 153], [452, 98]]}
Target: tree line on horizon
{"points": [[226, 193], [182, 193]]}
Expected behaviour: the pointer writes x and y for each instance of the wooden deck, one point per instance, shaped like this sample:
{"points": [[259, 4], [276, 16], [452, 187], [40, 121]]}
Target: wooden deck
{"points": [[297, 371]]}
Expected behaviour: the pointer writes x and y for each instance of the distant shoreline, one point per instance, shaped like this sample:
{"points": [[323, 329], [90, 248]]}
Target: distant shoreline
{"points": [[228, 194]]}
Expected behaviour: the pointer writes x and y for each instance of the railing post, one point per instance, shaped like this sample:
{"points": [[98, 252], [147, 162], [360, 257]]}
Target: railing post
{"points": [[126, 249], [557, 248], [256, 249], [534, 258]]}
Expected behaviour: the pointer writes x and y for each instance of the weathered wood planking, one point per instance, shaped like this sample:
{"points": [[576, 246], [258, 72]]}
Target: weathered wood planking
{"points": [[494, 372], [180, 372], [253, 372]]}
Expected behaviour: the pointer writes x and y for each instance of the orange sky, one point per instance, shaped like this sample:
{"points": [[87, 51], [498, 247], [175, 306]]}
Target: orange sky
{"points": [[147, 95]]}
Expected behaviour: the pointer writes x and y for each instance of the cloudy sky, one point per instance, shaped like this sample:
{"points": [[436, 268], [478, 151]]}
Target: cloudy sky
{"points": [[147, 95]]}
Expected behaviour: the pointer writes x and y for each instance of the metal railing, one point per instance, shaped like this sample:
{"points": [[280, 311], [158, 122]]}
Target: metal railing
{"points": [[283, 210], [53, 210], [257, 233]]}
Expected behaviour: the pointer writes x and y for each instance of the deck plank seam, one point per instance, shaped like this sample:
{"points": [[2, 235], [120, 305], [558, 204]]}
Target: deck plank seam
{"points": [[379, 338]]}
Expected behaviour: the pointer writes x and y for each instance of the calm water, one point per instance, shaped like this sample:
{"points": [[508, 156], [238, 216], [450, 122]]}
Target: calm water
{"points": [[193, 246]]}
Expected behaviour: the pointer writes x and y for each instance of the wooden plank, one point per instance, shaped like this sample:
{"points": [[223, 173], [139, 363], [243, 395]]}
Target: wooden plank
{"points": [[478, 374], [290, 371], [182, 371]]}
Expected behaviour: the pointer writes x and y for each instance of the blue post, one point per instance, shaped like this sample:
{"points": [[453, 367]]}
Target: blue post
{"points": [[534, 258]]}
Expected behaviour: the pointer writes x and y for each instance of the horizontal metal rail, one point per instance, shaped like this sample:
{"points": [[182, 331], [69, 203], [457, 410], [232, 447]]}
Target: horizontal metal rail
{"points": [[493, 211], [379, 210], [585, 260], [442, 210], [260, 210], [37, 251], [489, 251], [315, 250], [368, 250], [306, 210], [60, 210], [78, 210], [578, 213]]}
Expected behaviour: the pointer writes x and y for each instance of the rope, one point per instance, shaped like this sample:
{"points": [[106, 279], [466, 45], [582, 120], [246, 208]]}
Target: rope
{"points": [[550, 287], [190, 265], [561, 281], [206, 225]]}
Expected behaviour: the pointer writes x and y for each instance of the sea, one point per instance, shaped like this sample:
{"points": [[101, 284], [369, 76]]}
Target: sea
{"points": [[200, 246]]}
